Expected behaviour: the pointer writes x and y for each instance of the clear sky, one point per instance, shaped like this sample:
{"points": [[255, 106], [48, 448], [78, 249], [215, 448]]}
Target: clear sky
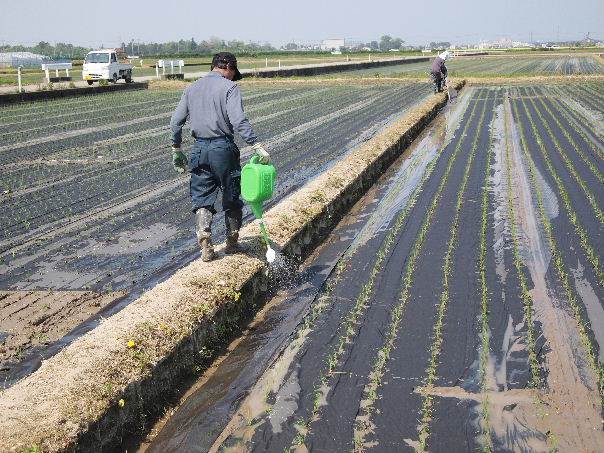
{"points": [[110, 22]]}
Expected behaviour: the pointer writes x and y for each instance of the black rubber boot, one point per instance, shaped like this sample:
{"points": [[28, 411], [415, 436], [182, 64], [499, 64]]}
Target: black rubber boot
{"points": [[232, 220], [203, 229]]}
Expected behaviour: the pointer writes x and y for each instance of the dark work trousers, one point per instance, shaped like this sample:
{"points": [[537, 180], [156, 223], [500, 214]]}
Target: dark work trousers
{"points": [[215, 166], [438, 80]]}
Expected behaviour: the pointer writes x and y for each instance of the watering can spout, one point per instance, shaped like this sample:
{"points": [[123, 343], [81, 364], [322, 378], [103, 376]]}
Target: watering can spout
{"points": [[257, 209]]}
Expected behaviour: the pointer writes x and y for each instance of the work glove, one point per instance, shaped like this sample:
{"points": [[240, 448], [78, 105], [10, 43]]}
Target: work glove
{"points": [[263, 156], [179, 160]]}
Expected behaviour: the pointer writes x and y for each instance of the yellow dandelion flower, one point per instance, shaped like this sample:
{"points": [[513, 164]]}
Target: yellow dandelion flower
{"points": [[121, 403], [131, 344]]}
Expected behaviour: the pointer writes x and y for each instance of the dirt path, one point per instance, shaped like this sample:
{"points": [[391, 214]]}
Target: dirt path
{"points": [[456, 320]]}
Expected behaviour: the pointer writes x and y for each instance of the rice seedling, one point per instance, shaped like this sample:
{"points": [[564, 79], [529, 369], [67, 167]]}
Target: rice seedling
{"points": [[525, 295], [348, 329], [487, 444]]}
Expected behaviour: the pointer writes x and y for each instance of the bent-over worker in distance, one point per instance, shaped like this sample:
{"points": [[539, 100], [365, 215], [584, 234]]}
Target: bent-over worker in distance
{"points": [[214, 108], [439, 70]]}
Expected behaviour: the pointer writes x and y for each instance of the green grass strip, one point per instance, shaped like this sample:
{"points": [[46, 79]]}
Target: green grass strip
{"points": [[376, 375], [563, 274], [591, 254], [435, 350], [595, 171], [569, 165], [487, 443], [348, 326], [527, 300]]}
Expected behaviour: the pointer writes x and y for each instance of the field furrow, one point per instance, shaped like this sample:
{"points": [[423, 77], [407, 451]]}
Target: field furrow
{"points": [[577, 144], [571, 205], [579, 124], [570, 165]]}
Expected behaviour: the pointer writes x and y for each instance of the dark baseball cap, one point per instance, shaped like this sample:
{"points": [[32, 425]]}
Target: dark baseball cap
{"points": [[224, 60]]}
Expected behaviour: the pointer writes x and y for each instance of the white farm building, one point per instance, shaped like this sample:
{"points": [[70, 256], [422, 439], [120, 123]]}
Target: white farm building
{"points": [[333, 44]]}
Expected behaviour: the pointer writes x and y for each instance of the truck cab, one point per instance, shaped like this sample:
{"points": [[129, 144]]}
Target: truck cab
{"points": [[106, 64]]}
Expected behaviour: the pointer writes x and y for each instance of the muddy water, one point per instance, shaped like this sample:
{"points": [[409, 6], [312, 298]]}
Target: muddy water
{"points": [[571, 393], [593, 305]]}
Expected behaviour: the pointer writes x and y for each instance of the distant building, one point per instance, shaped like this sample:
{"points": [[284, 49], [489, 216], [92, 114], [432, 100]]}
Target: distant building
{"points": [[333, 44], [25, 59]]}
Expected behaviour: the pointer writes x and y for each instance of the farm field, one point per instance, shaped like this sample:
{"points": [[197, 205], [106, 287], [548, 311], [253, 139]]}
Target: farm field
{"points": [[93, 210], [196, 65], [465, 314], [495, 66], [483, 66]]}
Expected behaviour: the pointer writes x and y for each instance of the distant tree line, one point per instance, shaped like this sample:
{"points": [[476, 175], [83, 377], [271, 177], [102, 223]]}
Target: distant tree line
{"points": [[173, 48], [59, 50], [385, 44], [440, 45], [192, 47]]}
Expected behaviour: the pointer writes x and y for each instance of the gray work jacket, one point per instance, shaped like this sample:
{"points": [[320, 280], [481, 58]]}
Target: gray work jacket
{"points": [[438, 67], [214, 108]]}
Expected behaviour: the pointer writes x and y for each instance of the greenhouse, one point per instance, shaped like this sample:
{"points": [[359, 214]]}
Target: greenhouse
{"points": [[25, 59]]}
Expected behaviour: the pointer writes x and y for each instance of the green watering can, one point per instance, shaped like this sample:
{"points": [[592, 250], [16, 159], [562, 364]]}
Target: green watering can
{"points": [[257, 184]]}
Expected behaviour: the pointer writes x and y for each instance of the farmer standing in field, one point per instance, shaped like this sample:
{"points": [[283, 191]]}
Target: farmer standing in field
{"points": [[214, 107], [439, 70]]}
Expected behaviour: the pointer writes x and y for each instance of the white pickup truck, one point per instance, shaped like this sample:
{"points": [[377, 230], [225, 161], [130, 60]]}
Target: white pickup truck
{"points": [[106, 64]]}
